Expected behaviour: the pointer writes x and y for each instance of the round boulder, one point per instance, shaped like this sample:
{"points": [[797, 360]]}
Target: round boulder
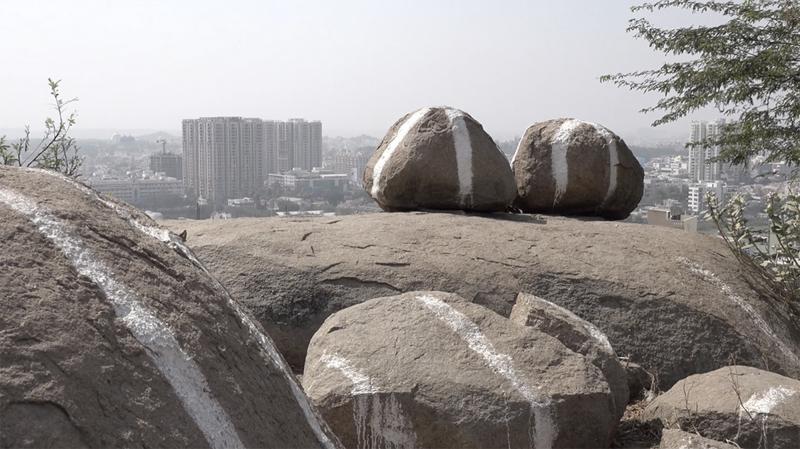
{"points": [[578, 335], [112, 334], [748, 406], [439, 158], [572, 167], [431, 370]]}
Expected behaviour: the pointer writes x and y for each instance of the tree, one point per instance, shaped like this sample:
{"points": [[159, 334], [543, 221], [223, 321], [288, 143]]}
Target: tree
{"points": [[57, 150], [748, 68]]}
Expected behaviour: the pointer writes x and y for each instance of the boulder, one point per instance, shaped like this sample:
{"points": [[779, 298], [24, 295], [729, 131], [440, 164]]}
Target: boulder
{"points": [[439, 158], [572, 167], [677, 303], [432, 370], [578, 335], [678, 439], [112, 334], [749, 406]]}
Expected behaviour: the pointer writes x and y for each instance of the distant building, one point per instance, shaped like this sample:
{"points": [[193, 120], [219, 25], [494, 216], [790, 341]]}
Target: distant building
{"points": [[669, 218], [139, 191], [298, 180], [170, 164], [242, 202], [700, 169], [696, 203], [297, 144], [347, 162], [231, 157]]}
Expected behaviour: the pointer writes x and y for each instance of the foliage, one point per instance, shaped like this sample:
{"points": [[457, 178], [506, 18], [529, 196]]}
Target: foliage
{"points": [[748, 68], [769, 257], [57, 150]]}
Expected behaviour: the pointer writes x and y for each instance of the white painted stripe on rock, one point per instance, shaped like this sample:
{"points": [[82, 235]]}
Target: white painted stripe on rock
{"points": [[613, 160], [593, 331], [268, 350], [391, 147], [519, 145], [463, 147], [379, 419], [759, 321], [765, 401], [172, 361], [544, 431], [362, 384], [559, 168]]}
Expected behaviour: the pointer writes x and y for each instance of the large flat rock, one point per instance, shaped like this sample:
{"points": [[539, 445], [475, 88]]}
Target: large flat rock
{"points": [[672, 301]]}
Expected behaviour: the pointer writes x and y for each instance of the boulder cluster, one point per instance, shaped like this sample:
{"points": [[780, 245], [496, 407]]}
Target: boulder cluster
{"points": [[441, 158], [114, 334]]}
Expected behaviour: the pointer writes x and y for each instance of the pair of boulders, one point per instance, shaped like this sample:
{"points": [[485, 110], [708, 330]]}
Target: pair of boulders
{"points": [[441, 158], [112, 334], [432, 370], [747, 406]]}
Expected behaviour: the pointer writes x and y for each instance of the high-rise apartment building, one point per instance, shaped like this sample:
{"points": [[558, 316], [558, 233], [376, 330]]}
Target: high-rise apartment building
{"points": [[700, 169], [231, 157]]}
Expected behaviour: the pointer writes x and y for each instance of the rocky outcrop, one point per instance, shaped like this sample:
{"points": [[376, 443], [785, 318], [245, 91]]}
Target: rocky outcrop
{"points": [[113, 335], [674, 302], [571, 167], [431, 370], [439, 158], [578, 335], [678, 439], [748, 406]]}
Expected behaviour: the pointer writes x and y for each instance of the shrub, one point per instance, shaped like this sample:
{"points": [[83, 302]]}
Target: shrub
{"points": [[769, 256]]}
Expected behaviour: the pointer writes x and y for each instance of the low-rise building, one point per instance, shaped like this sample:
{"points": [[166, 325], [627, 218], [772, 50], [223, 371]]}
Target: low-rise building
{"points": [[298, 180], [139, 191], [667, 217]]}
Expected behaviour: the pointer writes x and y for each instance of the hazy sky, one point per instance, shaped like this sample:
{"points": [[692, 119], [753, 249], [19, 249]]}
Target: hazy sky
{"points": [[355, 65]]}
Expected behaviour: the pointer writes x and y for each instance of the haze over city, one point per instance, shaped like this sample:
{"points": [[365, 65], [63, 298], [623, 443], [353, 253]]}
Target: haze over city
{"points": [[357, 66]]}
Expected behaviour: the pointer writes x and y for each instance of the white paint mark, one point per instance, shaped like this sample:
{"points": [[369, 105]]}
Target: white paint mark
{"points": [[378, 417], [613, 160], [590, 328], [765, 401], [362, 384], [519, 145], [380, 423], [172, 361], [268, 350], [544, 430], [759, 321], [463, 148], [391, 147], [559, 146]]}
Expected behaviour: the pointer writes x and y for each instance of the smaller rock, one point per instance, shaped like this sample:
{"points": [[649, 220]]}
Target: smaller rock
{"points": [[748, 406], [432, 370], [640, 381], [439, 158], [578, 335], [678, 439], [572, 167]]}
